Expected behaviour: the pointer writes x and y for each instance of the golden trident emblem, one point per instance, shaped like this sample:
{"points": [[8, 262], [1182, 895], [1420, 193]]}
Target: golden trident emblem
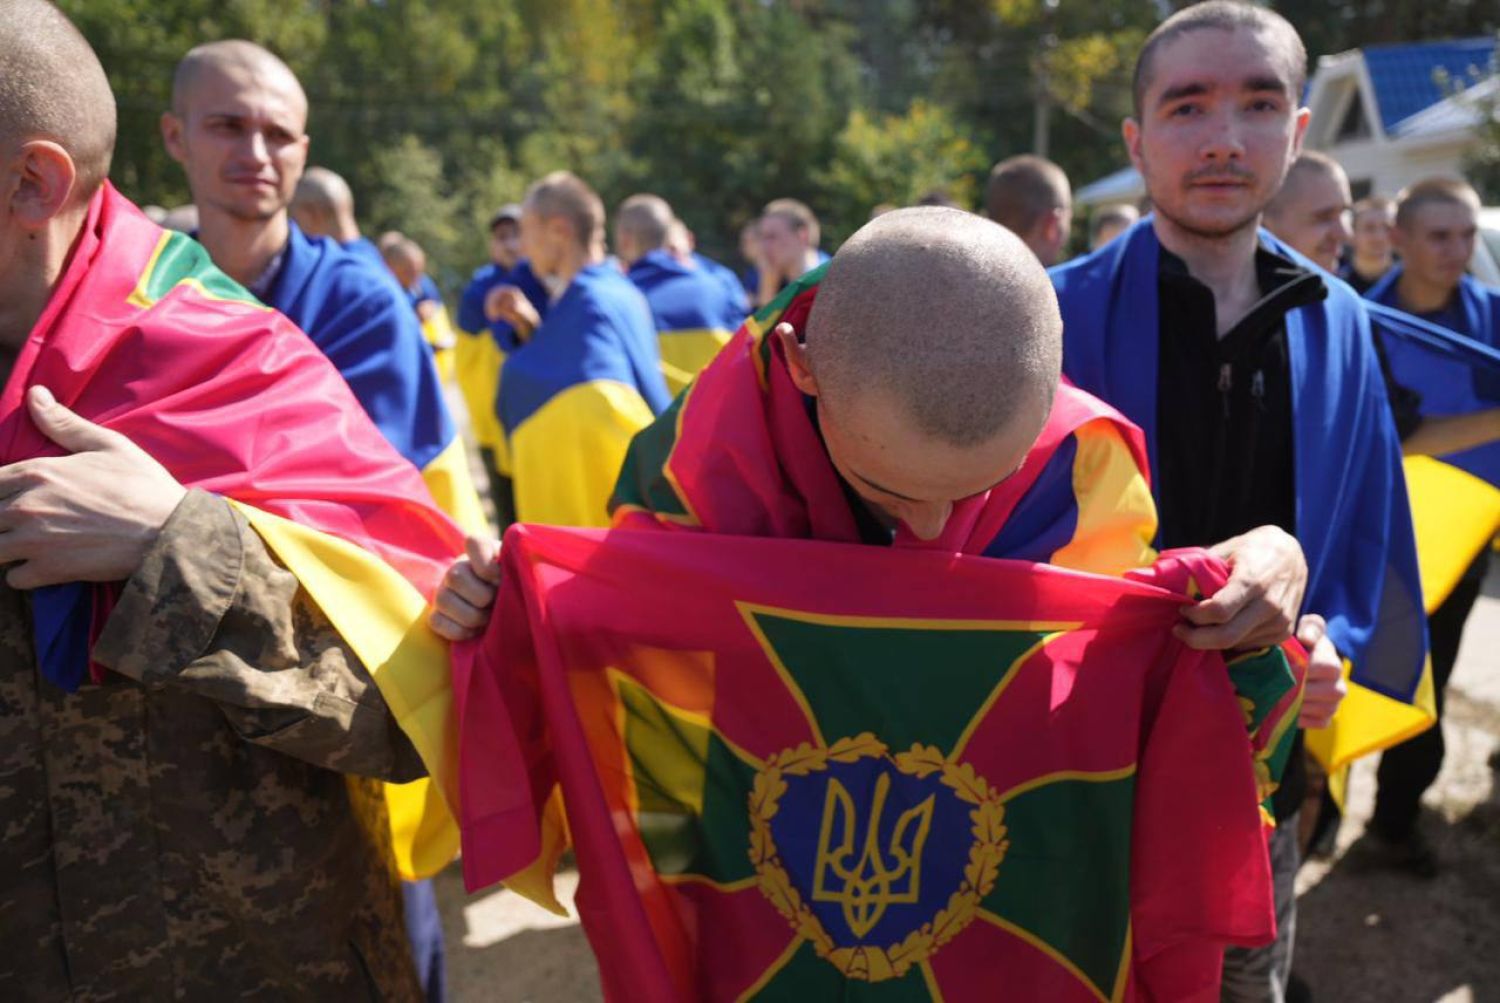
{"points": [[877, 879]]}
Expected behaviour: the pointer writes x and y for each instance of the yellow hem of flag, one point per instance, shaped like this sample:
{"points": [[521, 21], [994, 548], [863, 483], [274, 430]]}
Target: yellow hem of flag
{"points": [[1368, 721], [1455, 515], [476, 362], [382, 617], [535, 880], [452, 487], [685, 353]]}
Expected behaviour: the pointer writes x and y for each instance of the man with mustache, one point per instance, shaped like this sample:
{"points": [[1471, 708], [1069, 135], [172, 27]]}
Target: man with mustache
{"points": [[1253, 377]]}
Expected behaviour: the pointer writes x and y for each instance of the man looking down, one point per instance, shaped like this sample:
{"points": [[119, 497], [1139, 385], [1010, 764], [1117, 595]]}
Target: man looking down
{"points": [[878, 404]]}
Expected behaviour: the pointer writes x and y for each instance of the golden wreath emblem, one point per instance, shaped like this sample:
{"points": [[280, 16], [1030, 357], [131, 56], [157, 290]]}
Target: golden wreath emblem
{"points": [[872, 885]]}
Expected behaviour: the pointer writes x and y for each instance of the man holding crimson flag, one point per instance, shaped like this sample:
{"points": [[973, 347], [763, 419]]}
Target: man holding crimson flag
{"points": [[803, 769]]}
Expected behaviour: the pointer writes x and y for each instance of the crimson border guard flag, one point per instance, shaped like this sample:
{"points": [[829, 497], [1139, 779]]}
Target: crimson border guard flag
{"points": [[143, 335], [806, 770]]}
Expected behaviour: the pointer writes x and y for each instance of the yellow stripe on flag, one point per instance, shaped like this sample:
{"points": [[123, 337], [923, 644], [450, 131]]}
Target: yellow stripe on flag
{"points": [[476, 362], [566, 457], [1367, 722], [1116, 515], [685, 353], [452, 487], [382, 617], [438, 331], [1455, 515]]}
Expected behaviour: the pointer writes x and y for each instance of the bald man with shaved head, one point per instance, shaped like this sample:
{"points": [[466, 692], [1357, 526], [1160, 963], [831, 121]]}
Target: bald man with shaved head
{"points": [[880, 402], [695, 309], [886, 385], [238, 127], [1311, 211], [588, 376], [323, 206], [1031, 197], [193, 751]]}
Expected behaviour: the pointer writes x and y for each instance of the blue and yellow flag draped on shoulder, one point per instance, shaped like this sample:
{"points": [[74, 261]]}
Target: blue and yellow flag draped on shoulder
{"points": [[572, 397], [482, 346], [1455, 498], [362, 322], [144, 336], [695, 311], [1354, 520]]}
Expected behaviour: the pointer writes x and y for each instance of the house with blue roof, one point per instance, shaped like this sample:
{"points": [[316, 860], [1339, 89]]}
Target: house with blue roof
{"points": [[1390, 114]]}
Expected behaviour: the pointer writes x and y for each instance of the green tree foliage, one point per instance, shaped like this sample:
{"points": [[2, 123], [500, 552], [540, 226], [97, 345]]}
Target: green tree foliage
{"points": [[897, 159], [438, 110]]}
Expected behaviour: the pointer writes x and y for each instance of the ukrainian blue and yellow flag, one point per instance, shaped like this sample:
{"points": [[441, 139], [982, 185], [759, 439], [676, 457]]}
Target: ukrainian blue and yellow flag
{"points": [[250, 410], [573, 396], [482, 346], [1455, 498], [693, 309], [1353, 520], [362, 322]]}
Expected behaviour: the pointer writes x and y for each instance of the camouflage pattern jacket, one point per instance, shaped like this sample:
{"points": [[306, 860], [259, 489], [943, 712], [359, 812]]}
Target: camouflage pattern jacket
{"points": [[204, 825]]}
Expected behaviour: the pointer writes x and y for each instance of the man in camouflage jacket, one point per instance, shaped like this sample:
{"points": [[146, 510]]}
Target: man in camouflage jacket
{"points": [[206, 822]]}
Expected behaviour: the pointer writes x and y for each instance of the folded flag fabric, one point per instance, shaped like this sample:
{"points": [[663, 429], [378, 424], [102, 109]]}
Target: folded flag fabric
{"points": [[740, 452], [359, 316], [143, 335], [802, 770], [695, 311], [1353, 519]]}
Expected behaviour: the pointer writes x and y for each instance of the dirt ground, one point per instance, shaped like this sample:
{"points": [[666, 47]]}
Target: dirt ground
{"points": [[1361, 935]]}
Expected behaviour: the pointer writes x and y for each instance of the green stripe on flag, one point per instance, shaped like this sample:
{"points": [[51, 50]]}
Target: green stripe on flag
{"points": [[691, 788], [183, 260], [1065, 878]]}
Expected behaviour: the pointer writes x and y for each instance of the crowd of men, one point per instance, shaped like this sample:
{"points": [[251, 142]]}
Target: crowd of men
{"points": [[1274, 418]]}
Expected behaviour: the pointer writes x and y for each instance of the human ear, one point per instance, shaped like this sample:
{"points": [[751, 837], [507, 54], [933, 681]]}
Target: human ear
{"points": [[171, 137], [797, 363], [1299, 132], [1130, 131], [44, 180]]}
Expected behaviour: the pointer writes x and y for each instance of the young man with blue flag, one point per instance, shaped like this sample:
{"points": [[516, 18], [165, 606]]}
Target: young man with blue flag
{"points": [[1235, 354], [695, 311], [1457, 419], [237, 126], [589, 377], [487, 320]]}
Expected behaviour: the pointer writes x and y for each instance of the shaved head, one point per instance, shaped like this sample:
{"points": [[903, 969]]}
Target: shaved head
{"points": [[1309, 168], [324, 191], [243, 61], [1023, 189], [947, 315], [645, 221], [564, 195], [323, 206], [52, 87]]}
